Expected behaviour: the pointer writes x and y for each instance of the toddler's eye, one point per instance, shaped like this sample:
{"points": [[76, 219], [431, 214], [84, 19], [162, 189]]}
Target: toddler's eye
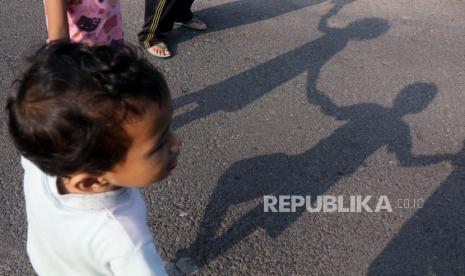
{"points": [[160, 146]]}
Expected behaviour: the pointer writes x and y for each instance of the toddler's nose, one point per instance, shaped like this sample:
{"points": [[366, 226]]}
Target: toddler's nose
{"points": [[176, 145]]}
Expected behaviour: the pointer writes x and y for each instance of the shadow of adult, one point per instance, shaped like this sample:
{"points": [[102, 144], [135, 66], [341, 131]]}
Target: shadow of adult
{"points": [[432, 242], [368, 128], [242, 89], [242, 12]]}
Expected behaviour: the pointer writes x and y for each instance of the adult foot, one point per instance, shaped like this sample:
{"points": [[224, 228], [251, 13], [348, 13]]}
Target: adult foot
{"points": [[194, 24], [160, 50]]}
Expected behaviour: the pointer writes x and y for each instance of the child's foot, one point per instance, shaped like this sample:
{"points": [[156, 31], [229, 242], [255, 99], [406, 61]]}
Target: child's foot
{"points": [[194, 24], [160, 50]]}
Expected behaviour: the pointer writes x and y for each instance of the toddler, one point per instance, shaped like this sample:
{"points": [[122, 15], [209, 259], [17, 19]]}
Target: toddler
{"points": [[92, 124]]}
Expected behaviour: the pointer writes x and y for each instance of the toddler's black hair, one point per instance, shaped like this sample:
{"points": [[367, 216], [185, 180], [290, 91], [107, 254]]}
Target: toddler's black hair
{"points": [[68, 110]]}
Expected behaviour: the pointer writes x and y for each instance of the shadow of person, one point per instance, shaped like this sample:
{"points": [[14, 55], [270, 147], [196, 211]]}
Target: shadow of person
{"points": [[369, 127], [237, 13], [242, 89], [243, 12], [432, 242]]}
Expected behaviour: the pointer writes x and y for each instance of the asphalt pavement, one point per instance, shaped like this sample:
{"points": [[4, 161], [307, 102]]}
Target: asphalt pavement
{"points": [[293, 97]]}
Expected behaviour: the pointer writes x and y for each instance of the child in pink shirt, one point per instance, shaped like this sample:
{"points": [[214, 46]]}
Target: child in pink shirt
{"points": [[92, 22]]}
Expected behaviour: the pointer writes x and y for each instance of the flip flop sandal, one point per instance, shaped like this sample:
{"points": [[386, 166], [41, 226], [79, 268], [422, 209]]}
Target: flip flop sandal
{"points": [[191, 24], [162, 46]]}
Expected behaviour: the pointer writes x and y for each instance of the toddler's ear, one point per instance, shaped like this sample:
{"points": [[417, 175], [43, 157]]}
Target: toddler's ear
{"points": [[84, 183]]}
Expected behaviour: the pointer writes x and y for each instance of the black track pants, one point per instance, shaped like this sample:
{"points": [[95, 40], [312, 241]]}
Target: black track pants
{"points": [[160, 16]]}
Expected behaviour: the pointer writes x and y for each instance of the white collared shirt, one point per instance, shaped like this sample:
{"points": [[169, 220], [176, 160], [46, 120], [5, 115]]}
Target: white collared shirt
{"points": [[91, 234]]}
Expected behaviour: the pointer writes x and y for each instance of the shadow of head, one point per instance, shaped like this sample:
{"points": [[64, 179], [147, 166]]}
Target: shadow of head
{"points": [[367, 28], [414, 98]]}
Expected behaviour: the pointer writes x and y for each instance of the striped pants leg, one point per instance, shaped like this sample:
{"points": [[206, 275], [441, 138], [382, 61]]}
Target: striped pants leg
{"points": [[160, 16]]}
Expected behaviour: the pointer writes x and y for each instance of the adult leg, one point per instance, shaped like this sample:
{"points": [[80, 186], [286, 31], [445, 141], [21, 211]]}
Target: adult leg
{"points": [[185, 18], [159, 18], [184, 12]]}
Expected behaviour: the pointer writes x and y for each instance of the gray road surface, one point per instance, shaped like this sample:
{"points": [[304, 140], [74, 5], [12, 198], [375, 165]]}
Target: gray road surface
{"points": [[302, 97]]}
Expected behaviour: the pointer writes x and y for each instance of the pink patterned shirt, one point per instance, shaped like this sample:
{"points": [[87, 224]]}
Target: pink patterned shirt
{"points": [[95, 22]]}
